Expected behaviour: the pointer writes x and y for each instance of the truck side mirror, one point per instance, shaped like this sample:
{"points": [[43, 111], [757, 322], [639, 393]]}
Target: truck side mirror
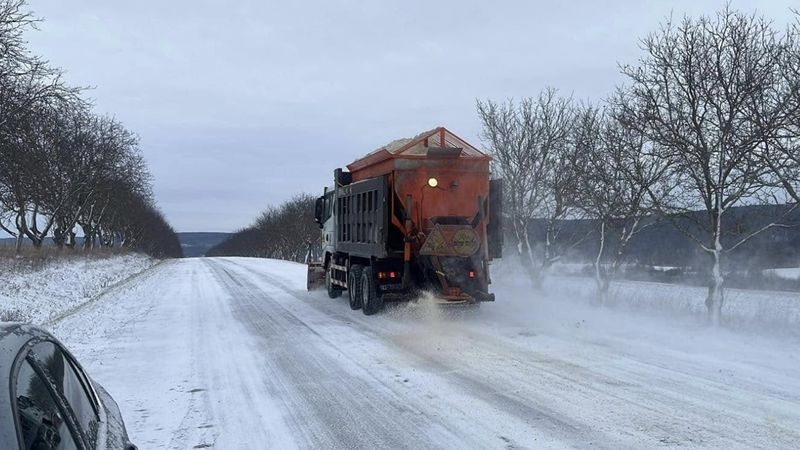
{"points": [[319, 210]]}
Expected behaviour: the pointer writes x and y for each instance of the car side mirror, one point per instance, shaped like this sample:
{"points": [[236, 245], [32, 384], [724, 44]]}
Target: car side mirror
{"points": [[319, 210]]}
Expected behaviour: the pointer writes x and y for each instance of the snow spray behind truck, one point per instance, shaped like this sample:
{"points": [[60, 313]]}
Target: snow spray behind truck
{"points": [[418, 214]]}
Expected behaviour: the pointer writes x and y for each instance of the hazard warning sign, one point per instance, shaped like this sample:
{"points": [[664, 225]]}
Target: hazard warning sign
{"points": [[436, 244], [465, 241]]}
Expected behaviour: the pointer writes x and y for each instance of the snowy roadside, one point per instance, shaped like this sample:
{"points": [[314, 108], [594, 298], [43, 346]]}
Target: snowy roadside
{"points": [[43, 294], [233, 352], [771, 311], [764, 312]]}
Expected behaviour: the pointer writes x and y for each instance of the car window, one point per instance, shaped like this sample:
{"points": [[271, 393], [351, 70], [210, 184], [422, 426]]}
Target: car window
{"points": [[41, 422], [58, 367]]}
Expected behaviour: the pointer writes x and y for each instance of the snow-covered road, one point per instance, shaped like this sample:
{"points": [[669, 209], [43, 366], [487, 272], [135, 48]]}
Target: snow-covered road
{"points": [[233, 353]]}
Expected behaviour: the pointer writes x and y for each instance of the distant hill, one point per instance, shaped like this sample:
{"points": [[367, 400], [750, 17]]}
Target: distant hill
{"points": [[193, 243], [198, 243]]}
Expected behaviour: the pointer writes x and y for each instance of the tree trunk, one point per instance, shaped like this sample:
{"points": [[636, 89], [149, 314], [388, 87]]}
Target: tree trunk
{"points": [[527, 258], [106, 239], [716, 292], [87, 235], [541, 274], [599, 278], [36, 240], [33, 229], [61, 234], [547, 255], [22, 228], [58, 238], [70, 241], [604, 290]]}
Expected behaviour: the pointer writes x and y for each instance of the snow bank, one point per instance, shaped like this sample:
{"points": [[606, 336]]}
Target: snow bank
{"points": [[39, 293]]}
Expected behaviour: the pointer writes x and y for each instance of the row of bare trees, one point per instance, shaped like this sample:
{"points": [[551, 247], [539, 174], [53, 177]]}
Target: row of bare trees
{"points": [[707, 122], [281, 232], [62, 167]]}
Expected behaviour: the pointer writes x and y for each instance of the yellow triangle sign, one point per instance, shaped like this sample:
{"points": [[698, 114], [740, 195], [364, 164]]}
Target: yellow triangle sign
{"points": [[436, 244]]}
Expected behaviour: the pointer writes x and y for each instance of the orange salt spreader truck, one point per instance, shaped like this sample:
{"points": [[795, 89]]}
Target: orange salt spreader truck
{"points": [[418, 214]]}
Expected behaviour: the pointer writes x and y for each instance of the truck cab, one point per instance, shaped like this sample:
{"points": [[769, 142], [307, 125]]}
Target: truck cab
{"points": [[323, 215]]}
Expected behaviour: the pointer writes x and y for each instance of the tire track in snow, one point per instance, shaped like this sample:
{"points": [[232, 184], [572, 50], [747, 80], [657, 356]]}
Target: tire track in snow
{"points": [[329, 406], [665, 406], [544, 420], [272, 366]]}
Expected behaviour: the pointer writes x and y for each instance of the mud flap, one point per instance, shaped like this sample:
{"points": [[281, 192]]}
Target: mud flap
{"points": [[494, 231]]}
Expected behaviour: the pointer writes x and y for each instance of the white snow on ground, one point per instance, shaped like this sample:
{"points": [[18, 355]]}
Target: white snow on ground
{"points": [[233, 353], [791, 273], [43, 292], [182, 369], [772, 312]]}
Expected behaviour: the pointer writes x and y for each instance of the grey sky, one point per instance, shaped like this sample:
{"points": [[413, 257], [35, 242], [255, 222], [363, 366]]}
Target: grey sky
{"points": [[242, 104]]}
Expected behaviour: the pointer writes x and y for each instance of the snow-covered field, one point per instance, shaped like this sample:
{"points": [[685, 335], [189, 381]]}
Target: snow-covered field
{"points": [[42, 291], [763, 312], [791, 273], [233, 353]]}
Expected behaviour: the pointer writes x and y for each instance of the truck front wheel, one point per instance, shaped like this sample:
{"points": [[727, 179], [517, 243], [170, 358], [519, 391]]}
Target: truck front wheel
{"points": [[354, 285], [370, 298], [332, 291]]}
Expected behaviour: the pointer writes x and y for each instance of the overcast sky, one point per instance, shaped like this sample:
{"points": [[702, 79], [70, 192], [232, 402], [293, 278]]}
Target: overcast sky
{"points": [[241, 104]]}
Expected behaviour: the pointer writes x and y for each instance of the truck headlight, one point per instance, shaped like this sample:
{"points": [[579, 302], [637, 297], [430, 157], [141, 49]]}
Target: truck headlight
{"points": [[433, 182]]}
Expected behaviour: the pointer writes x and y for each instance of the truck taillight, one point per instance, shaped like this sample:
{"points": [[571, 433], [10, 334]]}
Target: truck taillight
{"points": [[472, 274], [392, 274], [381, 275]]}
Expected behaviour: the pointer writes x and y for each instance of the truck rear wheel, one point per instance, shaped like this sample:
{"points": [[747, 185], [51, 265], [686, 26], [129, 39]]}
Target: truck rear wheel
{"points": [[371, 301], [332, 291], [354, 285]]}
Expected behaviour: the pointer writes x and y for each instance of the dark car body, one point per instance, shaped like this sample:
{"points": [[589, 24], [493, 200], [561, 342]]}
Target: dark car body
{"points": [[47, 401]]}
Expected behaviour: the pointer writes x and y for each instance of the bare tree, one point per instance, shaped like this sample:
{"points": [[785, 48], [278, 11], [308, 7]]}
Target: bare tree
{"points": [[280, 232], [118, 167], [532, 152], [60, 165], [617, 172], [29, 90], [782, 153], [54, 149], [694, 95]]}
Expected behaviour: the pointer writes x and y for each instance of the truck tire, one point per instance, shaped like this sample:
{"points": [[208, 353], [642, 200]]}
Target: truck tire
{"points": [[371, 301], [329, 286], [354, 286]]}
